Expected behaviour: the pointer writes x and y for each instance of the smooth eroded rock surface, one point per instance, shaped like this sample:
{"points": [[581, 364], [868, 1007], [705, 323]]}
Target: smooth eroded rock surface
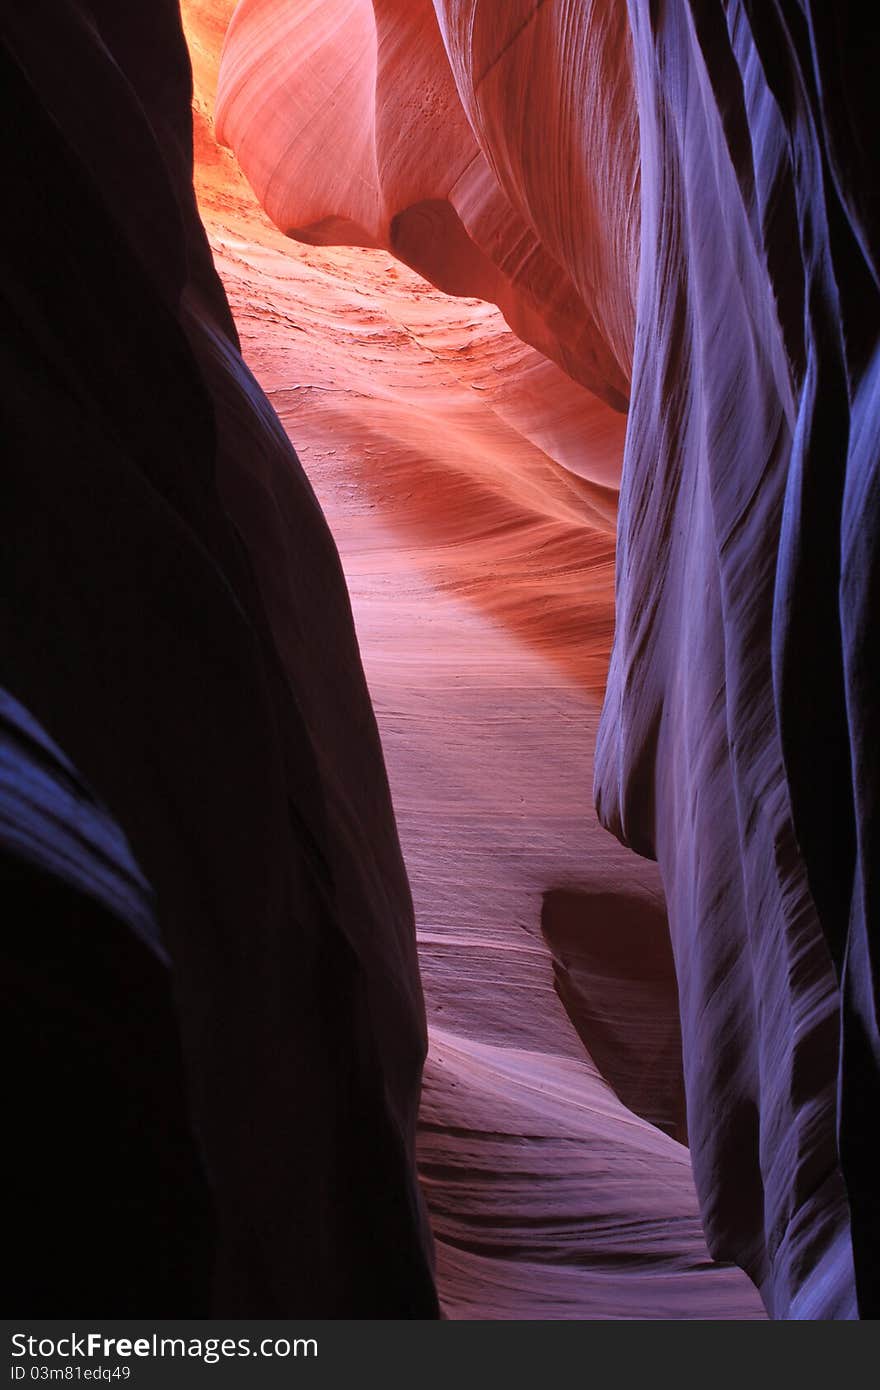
{"points": [[689, 193], [481, 576], [175, 617]]}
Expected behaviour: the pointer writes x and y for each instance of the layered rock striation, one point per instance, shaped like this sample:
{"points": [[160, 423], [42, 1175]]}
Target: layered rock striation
{"points": [[508, 258], [733, 738], [675, 206], [481, 574]]}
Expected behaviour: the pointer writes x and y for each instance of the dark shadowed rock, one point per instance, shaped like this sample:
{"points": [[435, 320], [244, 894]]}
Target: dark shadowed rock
{"points": [[217, 710], [614, 972]]}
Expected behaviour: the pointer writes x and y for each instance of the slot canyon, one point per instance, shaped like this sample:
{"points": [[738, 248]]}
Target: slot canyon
{"points": [[439, 786]]}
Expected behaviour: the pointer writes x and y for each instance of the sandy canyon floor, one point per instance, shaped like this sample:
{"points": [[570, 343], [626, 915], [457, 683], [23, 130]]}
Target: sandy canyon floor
{"points": [[481, 579]]}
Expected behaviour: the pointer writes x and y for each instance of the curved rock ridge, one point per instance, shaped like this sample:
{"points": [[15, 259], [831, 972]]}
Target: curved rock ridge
{"points": [[481, 577], [389, 125], [749, 354], [175, 618], [189, 746], [734, 742]]}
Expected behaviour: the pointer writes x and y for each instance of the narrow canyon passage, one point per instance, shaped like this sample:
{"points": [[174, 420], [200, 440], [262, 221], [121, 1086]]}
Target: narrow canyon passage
{"points": [[439, 674], [548, 1198], [481, 577]]}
